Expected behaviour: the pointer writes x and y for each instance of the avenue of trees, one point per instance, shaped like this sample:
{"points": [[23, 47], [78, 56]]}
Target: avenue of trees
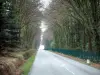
{"points": [[76, 24], [18, 24]]}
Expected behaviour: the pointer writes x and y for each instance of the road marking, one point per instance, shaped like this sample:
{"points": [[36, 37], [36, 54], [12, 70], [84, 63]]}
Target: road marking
{"points": [[63, 65], [70, 71]]}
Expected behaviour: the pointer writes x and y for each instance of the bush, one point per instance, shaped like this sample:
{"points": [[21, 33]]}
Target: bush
{"points": [[6, 67], [28, 54], [26, 67]]}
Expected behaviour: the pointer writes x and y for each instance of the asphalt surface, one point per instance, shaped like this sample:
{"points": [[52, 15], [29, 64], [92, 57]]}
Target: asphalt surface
{"points": [[48, 63]]}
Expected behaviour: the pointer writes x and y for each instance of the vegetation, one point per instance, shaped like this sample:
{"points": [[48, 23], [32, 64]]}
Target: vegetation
{"points": [[26, 67], [9, 29], [17, 23], [77, 24]]}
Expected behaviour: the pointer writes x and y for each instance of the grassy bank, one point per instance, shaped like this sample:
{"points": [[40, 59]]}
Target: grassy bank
{"points": [[26, 67]]}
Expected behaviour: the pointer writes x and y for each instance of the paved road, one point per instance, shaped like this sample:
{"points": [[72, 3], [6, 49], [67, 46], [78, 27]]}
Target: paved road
{"points": [[48, 63]]}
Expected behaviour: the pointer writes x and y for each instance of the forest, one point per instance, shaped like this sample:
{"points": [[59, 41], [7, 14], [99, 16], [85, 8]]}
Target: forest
{"points": [[17, 24], [76, 25]]}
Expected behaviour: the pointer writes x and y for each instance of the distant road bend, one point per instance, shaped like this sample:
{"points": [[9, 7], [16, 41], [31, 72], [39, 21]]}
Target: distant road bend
{"points": [[48, 63]]}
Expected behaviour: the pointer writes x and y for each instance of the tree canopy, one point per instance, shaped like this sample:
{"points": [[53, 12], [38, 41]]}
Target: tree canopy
{"points": [[18, 20]]}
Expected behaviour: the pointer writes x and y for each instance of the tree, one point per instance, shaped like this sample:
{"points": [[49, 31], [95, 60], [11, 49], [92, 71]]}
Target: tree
{"points": [[9, 30], [76, 24], [18, 23]]}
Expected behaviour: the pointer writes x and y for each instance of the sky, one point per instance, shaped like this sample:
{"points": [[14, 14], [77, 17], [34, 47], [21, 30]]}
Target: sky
{"points": [[45, 34]]}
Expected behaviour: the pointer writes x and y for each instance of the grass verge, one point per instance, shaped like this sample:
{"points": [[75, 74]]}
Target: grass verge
{"points": [[26, 67]]}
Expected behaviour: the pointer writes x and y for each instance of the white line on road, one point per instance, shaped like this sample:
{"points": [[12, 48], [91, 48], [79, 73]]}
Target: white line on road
{"points": [[63, 65]]}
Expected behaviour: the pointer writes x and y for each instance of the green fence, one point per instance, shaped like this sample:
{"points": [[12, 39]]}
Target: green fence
{"points": [[93, 56]]}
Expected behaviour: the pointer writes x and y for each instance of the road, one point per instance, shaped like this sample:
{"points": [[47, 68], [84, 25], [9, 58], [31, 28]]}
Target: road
{"points": [[48, 63]]}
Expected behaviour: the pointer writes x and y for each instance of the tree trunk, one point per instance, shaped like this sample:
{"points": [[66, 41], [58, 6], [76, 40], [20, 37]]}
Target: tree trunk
{"points": [[97, 41], [89, 43], [84, 41]]}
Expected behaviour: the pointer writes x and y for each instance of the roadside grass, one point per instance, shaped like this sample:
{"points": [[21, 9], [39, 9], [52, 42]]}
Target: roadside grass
{"points": [[26, 67]]}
